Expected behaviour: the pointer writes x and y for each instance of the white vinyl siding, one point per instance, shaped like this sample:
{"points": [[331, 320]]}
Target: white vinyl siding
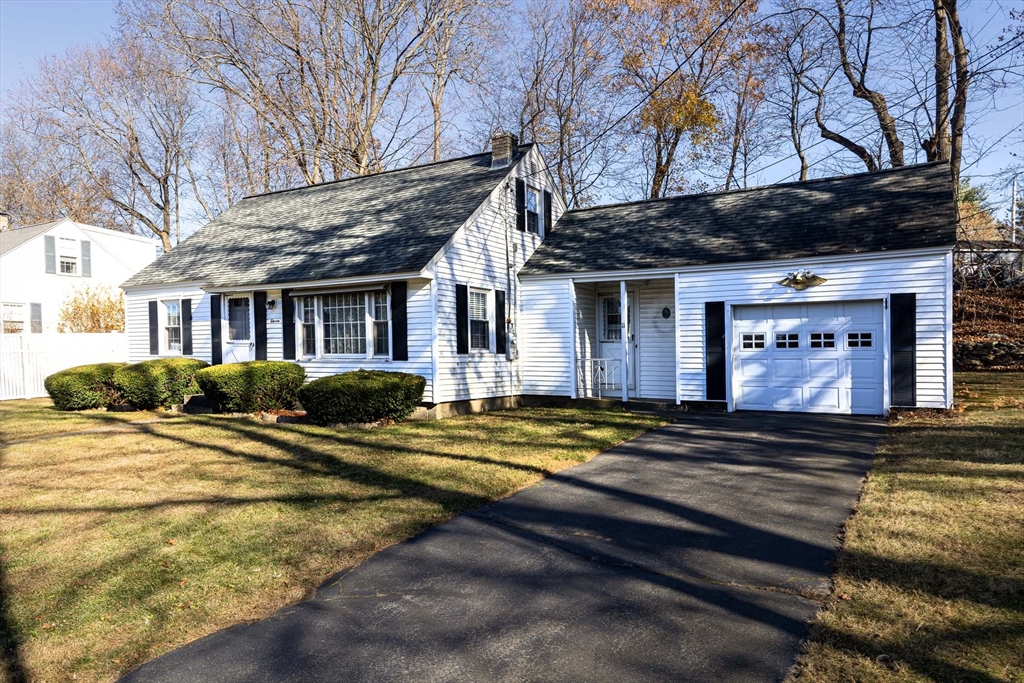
{"points": [[476, 257], [857, 279], [137, 321], [546, 338]]}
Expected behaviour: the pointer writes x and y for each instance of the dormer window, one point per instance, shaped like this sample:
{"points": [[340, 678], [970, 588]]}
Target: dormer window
{"points": [[534, 214]]}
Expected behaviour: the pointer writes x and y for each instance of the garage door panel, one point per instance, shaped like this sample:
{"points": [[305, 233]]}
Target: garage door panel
{"points": [[756, 397], [825, 368], [753, 368], [825, 398], [813, 365], [788, 368], [787, 398]]}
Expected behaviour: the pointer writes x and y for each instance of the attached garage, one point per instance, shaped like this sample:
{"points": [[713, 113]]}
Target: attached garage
{"points": [[817, 357], [827, 296]]}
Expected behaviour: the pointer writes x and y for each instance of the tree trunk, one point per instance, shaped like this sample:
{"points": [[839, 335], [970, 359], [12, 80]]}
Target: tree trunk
{"points": [[937, 147], [960, 91]]}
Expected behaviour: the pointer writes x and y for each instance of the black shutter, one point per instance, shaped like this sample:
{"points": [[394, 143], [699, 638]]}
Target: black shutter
{"points": [[154, 330], [288, 323], [216, 348], [50, 245], [86, 258], [903, 323], [714, 344], [520, 205], [547, 211], [399, 320], [259, 302], [186, 327], [500, 322], [462, 318]]}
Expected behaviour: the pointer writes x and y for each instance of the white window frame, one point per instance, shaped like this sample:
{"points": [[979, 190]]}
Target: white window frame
{"points": [[753, 341], [489, 313], [7, 309], [822, 342], [369, 297], [860, 340], [540, 210], [165, 342], [70, 256]]}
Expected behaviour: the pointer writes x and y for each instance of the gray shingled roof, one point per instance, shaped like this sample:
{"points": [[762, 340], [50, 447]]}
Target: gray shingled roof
{"points": [[390, 222], [15, 237], [905, 208]]}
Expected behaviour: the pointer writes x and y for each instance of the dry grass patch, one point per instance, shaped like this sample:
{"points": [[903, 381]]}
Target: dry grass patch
{"points": [[929, 585], [34, 418], [118, 546]]}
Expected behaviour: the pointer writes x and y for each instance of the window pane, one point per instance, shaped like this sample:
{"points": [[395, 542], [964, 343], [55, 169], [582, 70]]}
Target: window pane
{"points": [[345, 323], [173, 313], [380, 338], [238, 319], [380, 306], [478, 306], [174, 338], [612, 319], [68, 266], [309, 326], [479, 335]]}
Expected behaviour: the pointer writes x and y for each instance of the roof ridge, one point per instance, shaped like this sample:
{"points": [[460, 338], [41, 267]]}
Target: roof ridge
{"points": [[758, 188], [380, 173]]}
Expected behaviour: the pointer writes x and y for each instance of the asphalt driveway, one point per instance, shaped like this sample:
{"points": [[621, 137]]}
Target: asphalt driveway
{"points": [[696, 552]]}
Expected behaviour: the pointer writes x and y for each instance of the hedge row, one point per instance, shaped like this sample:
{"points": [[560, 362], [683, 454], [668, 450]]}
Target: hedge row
{"points": [[251, 387], [147, 385], [84, 387], [362, 396], [352, 397]]}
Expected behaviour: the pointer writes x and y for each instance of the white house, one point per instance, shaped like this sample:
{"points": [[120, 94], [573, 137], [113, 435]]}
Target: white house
{"points": [[42, 265], [830, 295]]}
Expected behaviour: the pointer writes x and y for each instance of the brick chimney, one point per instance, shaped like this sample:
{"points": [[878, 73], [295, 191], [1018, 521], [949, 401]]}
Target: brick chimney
{"points": [[503, 146]]}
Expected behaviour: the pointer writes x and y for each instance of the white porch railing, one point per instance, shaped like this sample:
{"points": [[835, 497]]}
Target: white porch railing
{"points": [[596, 376]]}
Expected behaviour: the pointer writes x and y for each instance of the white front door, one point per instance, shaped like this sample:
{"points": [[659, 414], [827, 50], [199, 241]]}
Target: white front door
{"points": [[609, 322], [820, 358], [239, 345]]}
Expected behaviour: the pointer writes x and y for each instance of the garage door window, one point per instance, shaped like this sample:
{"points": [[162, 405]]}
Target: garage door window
{"points": [[753, 341], [787, 340], [858, 340], [823, 340]]}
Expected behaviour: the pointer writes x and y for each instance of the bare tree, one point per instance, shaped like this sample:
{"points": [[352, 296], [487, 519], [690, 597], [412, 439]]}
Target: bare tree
{"points": [[124, 118]]}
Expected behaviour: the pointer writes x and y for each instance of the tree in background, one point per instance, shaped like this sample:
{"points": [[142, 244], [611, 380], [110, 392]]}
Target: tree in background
{"points": [[92, 309], [677, 57]]}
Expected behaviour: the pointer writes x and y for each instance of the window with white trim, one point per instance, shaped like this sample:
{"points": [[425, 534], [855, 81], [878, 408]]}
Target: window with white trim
{"points": [[344, 323], [172, 326], [859, 340], [381, 324], [13, 318], [611, 319], [823, 340], [787, 340], [752, 341], [67, 256], [479, 321], [308, 321], [534, 211]]}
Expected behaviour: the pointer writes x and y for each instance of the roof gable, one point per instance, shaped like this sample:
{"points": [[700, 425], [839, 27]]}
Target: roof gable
{"points": [[15, 237], [391, 222], [906, 208]]}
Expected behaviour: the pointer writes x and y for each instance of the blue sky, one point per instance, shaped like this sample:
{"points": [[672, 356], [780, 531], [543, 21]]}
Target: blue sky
{"points": [[30, 29]]}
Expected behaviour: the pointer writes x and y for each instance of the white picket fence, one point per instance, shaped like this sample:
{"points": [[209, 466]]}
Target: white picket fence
{"points": [[27, 359]]}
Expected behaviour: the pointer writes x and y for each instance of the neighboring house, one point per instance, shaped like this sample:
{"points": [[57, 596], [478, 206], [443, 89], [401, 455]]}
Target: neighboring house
{"points": [[42, 265], [469, 273]]}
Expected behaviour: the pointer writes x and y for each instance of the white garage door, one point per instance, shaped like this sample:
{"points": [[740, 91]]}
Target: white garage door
{"points": [[823, 358]]}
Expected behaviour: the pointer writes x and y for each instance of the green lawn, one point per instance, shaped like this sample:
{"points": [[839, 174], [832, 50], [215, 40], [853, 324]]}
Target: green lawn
{"points": [[929, 585], [120, 543]]}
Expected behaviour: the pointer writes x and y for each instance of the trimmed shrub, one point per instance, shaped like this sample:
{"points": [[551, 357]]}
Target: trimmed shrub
{"points": [[362, 396], [83, 387], [159, 382], [252, 386]]}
